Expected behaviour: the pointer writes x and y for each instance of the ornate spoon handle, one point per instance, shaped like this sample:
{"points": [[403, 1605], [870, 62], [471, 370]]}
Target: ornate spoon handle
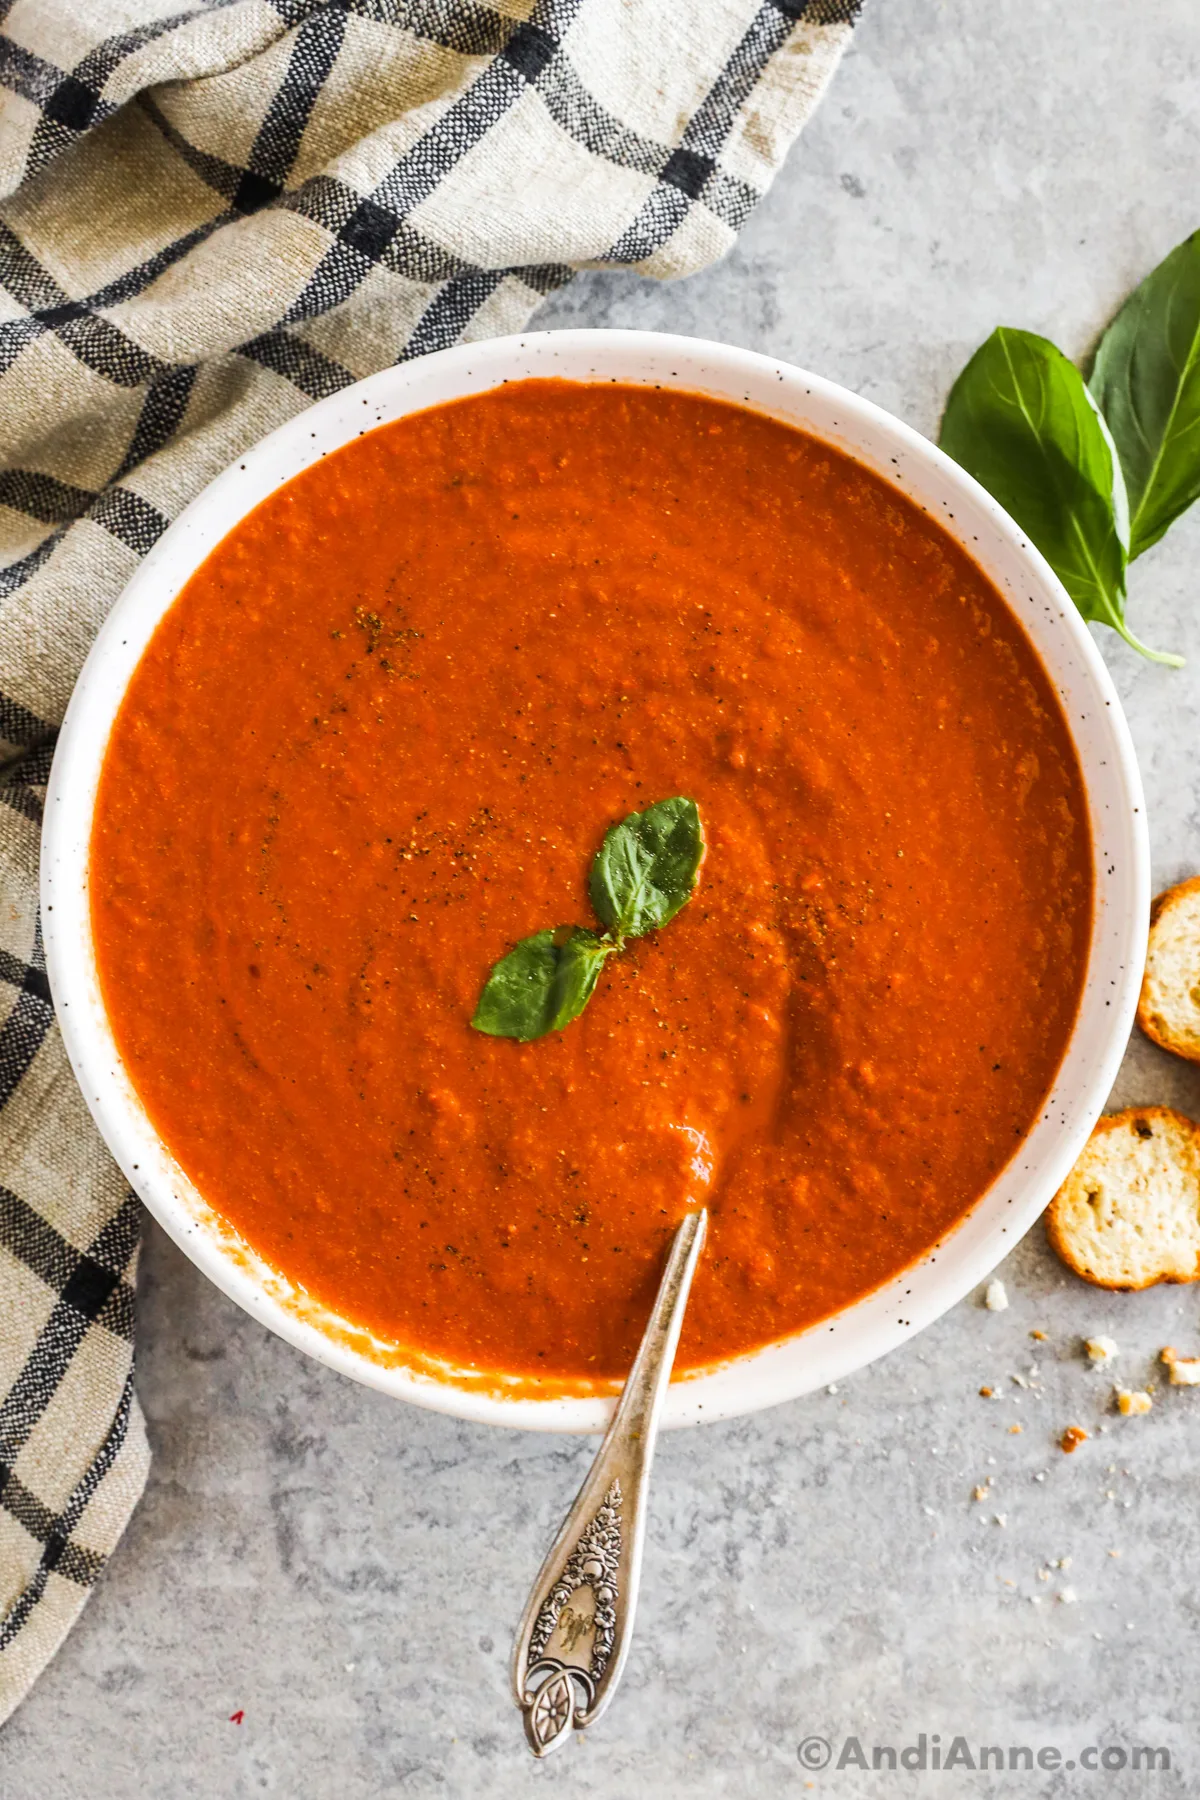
{"points": [[577, 1628]]}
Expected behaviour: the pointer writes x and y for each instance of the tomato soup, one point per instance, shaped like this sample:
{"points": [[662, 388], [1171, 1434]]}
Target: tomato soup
{"points": [[379, 738]]}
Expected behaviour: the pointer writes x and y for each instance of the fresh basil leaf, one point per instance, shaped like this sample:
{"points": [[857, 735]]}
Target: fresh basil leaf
{"points": [[541, 985], [646, 867], [1147, 380], [1021, 421]]}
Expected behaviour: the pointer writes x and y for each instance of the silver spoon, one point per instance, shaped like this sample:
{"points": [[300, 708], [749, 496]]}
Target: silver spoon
{"points": [[578, 1625]]}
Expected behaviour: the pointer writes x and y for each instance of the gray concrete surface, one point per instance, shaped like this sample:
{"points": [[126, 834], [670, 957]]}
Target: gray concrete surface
{"points": [[348, 1571]]}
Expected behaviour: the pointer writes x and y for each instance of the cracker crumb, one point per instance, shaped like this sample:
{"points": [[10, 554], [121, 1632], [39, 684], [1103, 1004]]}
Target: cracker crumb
{"points": [[1184, 1371], [1071, 1439], [1134, 1402], [996, 1298], [1014, 1429], [1068, 1596], [1039, 1335], [987, 1392], [1100, 1350], [980, 1493]]}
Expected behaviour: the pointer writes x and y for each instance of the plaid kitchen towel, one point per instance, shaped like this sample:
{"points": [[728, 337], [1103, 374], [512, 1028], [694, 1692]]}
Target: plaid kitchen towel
{"points": [[210, 215]]}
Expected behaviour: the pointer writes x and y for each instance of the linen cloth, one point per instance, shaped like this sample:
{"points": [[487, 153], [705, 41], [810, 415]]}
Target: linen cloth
{"points": [[211, 215]]}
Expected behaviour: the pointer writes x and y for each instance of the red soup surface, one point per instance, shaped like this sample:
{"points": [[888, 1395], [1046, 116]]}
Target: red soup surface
{"points": [[379, 737]]}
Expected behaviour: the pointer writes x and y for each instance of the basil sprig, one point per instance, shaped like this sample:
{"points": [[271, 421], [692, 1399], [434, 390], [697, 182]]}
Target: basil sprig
{"points": [[1093, 475], [644, 871]]}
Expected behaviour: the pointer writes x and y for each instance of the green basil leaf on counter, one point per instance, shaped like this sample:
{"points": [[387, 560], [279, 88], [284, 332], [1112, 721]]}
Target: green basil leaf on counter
{"points": [[542, 984], [1146, 379], [1020, 420], [646, 867]]}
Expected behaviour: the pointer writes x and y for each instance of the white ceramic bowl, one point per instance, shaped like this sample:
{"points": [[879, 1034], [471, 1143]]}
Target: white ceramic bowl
{"points": [[883, 1319]]}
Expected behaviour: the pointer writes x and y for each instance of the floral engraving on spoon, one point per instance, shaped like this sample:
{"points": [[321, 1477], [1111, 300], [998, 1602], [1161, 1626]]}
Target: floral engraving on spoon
{"points": [[558, 1692]]}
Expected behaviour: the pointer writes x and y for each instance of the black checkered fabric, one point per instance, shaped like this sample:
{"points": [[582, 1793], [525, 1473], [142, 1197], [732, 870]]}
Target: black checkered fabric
{"points": [[211, 215]]}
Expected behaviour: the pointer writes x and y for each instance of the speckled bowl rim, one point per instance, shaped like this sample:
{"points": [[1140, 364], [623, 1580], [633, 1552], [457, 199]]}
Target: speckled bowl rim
{"points": [[882, 1320]]}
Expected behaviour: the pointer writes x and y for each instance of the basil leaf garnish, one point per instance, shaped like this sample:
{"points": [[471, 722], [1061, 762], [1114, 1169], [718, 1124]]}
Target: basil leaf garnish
{"points": [[541, 985], [644, 872], [646, 867], [1146, 379], [1021, 421]]}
